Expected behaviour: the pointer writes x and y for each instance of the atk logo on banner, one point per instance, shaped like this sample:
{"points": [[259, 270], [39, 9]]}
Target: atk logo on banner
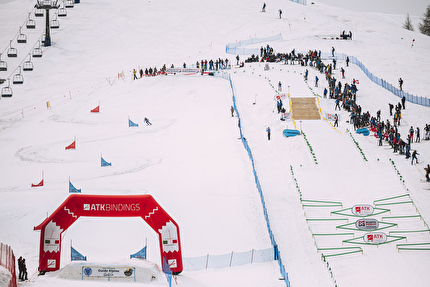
{"points": [[362, 209], [375, 238], [111, 207]]}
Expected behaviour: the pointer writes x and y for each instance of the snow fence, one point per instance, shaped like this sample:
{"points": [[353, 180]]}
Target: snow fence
{"points": [[229, 260], [7, 260], [277, 254]]}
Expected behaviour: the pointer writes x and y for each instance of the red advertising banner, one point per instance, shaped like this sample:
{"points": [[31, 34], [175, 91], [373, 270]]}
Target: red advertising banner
{"points": [[77, 205]]}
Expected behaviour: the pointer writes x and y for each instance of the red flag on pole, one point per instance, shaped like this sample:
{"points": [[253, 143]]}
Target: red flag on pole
{"points": [[96, 109], [72, 145], [39, 184]]}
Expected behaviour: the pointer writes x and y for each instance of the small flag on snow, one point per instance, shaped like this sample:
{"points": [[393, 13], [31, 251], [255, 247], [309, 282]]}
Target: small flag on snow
{"points": [[73, 189], [39, 184], [141, 254], [105, 163], [131, 124], [96, 109], [75, 255], [72, 145]]}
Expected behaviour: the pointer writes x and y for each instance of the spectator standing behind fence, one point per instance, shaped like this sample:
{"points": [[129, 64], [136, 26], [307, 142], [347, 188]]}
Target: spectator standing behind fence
{"points": [[20, 267]]}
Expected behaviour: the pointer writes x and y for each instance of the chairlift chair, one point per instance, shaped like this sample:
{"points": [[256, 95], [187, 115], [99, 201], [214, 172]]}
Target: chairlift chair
{"points": [[21, 38], [39, 13], [31, 24], [18, 78], [37, 52], [6, 91], [55, 24], [3, 64], [70, 3], [28, 65], [62, 12], [12, 52]]}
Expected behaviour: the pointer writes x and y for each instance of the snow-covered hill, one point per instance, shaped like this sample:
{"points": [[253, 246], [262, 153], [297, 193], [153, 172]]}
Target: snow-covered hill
{"points": [[191, 159]]}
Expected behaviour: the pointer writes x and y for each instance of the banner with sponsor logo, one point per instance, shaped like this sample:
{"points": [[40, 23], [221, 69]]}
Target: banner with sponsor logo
{"points": [[77, 205], [108, 272]]}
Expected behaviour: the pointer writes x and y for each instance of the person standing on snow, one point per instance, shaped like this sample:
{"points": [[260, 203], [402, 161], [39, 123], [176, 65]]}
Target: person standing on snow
{"points": [[264, 8], [20, 268], [134, 74], [316, 81], [391, 106], [401, 84], [427, 169], [336, 119], [280, 13], [347, 61], [332, 51], [268, 133], [280, 86], [403, 102], [232, 111], [414, 156], [24, 271], [418, 135]]}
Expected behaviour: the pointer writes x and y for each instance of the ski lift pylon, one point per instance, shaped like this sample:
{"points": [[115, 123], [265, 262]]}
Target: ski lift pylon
{"points": [[12, 52], [21, 38], [7, 91], [18, 78], [3, 64], [28, 65], [31, 24]]}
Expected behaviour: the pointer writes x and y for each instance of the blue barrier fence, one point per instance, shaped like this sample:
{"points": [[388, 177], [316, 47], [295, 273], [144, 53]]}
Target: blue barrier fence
{"points": [[303, 2], [423, 101], [257, 182]]}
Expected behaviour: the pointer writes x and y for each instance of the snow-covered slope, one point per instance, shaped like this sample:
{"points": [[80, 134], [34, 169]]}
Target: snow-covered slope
{"points": [[191, 159]]}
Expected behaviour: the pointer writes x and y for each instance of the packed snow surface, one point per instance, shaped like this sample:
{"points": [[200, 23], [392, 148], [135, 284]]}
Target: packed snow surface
{"points": [[192, 160]]}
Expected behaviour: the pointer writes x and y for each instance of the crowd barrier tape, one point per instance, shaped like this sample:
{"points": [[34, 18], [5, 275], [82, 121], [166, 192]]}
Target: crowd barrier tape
{"points": [[257, 183], [7, 260], [229, 260]]}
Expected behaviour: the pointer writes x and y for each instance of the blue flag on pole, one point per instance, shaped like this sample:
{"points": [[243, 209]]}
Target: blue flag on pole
{"points": [[105, 163], [75, 255], [73, 189], [131, 124], [141, 254]]}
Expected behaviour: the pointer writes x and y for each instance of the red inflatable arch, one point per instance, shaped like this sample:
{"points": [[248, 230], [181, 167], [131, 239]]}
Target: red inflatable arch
{"points": [[77, 205]]}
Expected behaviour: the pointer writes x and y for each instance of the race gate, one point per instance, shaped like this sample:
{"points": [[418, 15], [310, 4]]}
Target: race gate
{"points": [[77, 205]]}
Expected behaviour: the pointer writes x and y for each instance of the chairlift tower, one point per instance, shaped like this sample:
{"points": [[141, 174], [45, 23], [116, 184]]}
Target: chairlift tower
{"points": [[47, 5]]}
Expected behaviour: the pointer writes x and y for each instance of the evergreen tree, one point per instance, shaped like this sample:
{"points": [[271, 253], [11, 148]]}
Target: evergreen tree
{"points": [[425, 24], [408, 24]]}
